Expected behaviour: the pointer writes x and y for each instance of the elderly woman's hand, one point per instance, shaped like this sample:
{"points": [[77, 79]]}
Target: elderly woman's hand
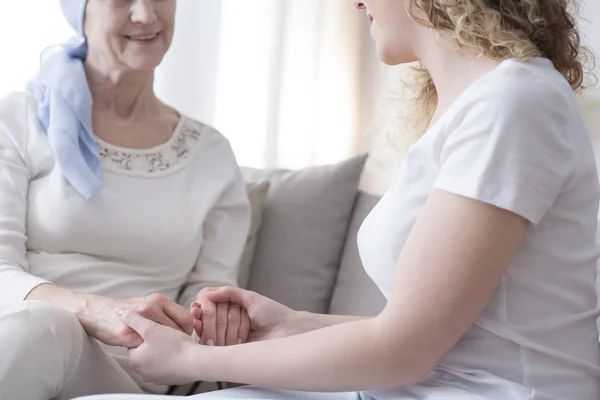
{"points": [[100, 321]]}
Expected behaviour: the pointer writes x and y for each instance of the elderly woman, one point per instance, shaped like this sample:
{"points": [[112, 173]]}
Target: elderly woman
{"points": [[110, 198]]}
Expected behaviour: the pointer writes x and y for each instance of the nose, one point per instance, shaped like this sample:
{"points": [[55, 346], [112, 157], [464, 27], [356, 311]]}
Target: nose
{"points": [[359, 4], [143, 12]]}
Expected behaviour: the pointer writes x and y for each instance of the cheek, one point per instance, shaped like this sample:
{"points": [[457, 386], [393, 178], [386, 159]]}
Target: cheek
{"points": [[104, 36], [168, 21]]}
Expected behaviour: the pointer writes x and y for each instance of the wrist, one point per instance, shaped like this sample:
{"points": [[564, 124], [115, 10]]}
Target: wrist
{"points": [[63, 298], [206, 362], [303, 322]]}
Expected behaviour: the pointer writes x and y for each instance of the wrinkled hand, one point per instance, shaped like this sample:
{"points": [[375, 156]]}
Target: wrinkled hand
{"points": [[166, 355], [267, 319], [100, 321]]}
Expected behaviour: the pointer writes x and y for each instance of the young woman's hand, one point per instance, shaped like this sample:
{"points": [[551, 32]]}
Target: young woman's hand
{"points": [[166, 355], [261, 318]]}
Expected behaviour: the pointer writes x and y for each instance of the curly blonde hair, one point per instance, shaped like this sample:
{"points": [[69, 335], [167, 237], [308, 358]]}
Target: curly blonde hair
{"points": [[502, 29], [497, 29]]}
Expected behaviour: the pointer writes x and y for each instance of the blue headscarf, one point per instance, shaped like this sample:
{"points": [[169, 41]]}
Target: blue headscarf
{"points": [[65, 105]]}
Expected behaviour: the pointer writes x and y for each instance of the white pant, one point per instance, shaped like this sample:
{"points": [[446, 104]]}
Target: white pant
{"points": [[45, 354], [247, 393]]}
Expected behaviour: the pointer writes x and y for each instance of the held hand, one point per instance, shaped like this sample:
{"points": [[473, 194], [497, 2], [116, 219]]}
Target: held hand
{"points": [[267, 318], [100, 321], [166, 355], [222, 324]]}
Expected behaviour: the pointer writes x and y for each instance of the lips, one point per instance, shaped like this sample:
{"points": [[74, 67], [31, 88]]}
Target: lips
{"points": [[143, 37]]}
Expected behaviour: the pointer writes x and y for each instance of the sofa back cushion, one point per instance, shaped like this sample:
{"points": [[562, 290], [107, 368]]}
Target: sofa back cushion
{"points": [[305, 219]]}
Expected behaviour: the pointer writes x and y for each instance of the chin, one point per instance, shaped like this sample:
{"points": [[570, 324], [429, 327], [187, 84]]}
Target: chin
{"points": [[146, 64]]}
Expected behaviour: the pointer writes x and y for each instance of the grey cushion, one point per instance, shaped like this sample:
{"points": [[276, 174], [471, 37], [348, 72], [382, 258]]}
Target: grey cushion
{"points": [[355, 293], [304, 223], [257, 192]]}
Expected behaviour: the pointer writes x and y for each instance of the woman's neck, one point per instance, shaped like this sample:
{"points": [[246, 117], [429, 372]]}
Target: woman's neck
{"points": [[452, 70], [127, 95]]}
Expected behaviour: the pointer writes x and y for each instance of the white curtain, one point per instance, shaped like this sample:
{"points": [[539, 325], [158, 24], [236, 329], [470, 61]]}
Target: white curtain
{"points": [[290, 82], [280, 78], [590, 26]]}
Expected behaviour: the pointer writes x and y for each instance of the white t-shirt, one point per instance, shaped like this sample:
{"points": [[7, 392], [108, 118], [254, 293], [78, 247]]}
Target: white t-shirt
{"points": [[514, 139], [176, 214]]}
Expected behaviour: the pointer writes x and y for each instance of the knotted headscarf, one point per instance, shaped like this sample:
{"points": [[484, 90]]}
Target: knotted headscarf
{"points": [[65, 105]]}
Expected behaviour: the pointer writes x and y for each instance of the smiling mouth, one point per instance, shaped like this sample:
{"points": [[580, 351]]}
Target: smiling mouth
{"points": [[143, 38]]}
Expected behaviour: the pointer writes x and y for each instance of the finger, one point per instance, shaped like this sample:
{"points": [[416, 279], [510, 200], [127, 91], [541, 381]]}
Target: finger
{"points": [[135, 321], [152, 309], [197, 324], [179, 315], [244, 331], [222, 312], [196, 313], [234, 319], [197, 335], [209, 322], [159, 316], [130, 337], [228, 294]]}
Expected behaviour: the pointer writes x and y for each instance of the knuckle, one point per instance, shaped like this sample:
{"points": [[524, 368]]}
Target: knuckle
{"points": [[156, 298], [145, 308], [233, 317], [221, 320], [124, 331], [208, 313]]}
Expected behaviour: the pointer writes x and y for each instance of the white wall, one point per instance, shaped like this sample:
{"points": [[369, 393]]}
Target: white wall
{"points": [[23, 36], [590, 25], [187, 78]]}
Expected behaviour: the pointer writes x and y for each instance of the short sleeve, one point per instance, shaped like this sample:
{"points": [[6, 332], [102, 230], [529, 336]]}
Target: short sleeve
{"points": [[511, 149]]}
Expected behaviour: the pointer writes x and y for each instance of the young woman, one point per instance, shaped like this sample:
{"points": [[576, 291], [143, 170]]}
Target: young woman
{"points": [[485, 246]]}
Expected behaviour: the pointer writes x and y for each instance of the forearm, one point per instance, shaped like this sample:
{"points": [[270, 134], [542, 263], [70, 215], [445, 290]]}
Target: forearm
{"points": [[308, 322], [347, 357], [63, 298]]}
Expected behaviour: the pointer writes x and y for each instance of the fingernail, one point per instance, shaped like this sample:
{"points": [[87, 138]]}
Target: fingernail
{"points": [[210, 342], [240, 341]]}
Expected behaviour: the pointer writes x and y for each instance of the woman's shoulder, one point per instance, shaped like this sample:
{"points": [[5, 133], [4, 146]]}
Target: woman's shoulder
{"points": [[18, 114], [18, 103], [518, 88], [210, 137], [209, 142]]}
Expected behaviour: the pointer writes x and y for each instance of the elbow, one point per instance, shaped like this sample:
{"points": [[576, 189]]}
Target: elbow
{"points": [[408, 357], [410, 370]]}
